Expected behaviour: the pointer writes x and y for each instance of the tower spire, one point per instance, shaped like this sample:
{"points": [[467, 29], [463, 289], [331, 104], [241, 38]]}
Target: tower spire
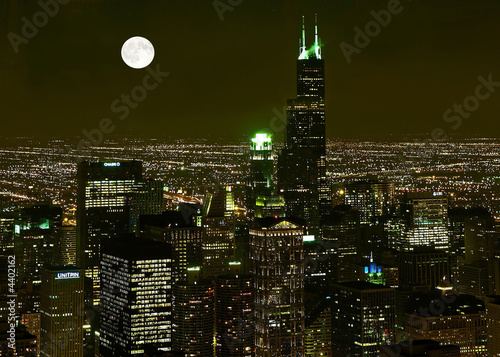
{"points": [[317, 48], [303, 49]]}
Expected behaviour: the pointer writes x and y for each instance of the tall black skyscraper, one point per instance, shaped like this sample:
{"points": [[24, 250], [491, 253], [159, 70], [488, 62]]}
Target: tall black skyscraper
{"points": [[302, 163]]}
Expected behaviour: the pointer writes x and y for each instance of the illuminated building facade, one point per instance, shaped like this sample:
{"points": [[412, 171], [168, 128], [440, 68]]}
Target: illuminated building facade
{"points": [[136, 303], [493, 325], [34, 241], [32, 322], [425, 220], [102, 213], [62, 311], [194, 316], [372, 198], [423, 266], [277, 266], [318, 332], [260, 181], [450, 319], [218, 224], [302, 163], [363, 318], [234, 311], [185, 238], [65, 246], [146, 198]]}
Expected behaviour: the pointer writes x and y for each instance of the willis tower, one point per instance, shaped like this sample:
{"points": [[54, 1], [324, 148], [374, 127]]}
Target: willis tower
{"points": [[302, 163]]}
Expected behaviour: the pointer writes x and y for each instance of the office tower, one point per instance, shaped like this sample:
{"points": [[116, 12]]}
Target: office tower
{"points": [[423, 266], [234, 314], [277, 266], [171, 227], [302, 163], [26, 344], [34, 241], [318, 324], [103, 211], [62, 312], [260, 181], [341, 233], [136, 297], [218, 224], [65, 246], [146, 198], [493, 325], [363, 318], [193, 316], [425, 217], [373, 199], [242, 247], [418, 348], [450, 319]]}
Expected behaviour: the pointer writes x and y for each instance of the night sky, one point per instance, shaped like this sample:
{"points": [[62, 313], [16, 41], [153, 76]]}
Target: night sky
{"points": [[226, 77]]}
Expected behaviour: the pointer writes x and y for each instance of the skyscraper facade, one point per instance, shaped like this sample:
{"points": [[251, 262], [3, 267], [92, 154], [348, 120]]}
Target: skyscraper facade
{"points": [[302, 163], [102, 212], [136, 300], [277, 266], [62, 311]]}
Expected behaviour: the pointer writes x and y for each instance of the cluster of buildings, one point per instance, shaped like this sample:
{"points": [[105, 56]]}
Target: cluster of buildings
{"points": [[289, 274]]}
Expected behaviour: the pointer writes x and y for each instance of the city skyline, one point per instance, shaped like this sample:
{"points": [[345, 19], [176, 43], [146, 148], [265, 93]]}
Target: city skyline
{"points": [[157, 234]]}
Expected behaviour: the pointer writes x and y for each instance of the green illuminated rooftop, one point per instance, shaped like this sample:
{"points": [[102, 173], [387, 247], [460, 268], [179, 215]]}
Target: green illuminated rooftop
{"points": [[262, 142]]}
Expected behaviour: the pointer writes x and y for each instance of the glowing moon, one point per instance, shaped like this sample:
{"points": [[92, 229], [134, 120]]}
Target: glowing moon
{"points": [[138, 52]]}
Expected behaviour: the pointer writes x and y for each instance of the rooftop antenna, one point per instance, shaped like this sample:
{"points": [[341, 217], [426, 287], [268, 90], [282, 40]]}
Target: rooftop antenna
{"points": [[317, 48], [303, 49]]}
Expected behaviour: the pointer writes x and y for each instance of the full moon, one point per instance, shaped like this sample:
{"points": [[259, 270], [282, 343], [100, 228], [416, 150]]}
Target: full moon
{"points": [[138, 52]]}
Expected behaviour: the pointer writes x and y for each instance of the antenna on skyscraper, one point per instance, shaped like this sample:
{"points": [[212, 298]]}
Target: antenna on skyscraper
{"points": [[317, 48], [303, 49]]}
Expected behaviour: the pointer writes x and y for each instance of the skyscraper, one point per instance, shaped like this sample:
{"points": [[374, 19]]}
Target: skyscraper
{"points": [[302, 163], [136, 300], [102, 212], [62, 312], [218, 224], [277, 266], [363, 318], [425, 221], [234, 312], [193, 316], [372, 198], [185, 238]]}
